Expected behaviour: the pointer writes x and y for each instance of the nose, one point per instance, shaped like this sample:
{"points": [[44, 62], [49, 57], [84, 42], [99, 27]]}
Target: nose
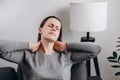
{"points": [[53, 28]]}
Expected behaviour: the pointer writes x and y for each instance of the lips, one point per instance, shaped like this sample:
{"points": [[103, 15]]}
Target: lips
{"points": [[52, 33]]}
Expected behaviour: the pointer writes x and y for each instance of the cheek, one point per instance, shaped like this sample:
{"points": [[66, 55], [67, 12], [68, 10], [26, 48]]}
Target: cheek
{"points": [[45, 30], [58, 33]]}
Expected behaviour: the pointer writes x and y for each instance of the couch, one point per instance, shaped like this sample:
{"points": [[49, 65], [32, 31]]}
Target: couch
{"points": [[8, 73]]}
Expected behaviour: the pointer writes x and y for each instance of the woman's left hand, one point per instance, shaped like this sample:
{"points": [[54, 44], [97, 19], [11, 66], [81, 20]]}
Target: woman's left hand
{"points": [[59, 46]]}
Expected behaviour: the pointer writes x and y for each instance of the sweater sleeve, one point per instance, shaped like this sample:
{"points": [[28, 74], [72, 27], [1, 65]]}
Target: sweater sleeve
{"points": [[9, 45], [13, 50], [80, 52]]}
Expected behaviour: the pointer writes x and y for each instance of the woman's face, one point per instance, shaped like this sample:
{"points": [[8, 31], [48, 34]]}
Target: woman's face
{"points": [[50, 30]]}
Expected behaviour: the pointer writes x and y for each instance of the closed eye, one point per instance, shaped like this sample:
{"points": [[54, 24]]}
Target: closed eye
{"points": [[50, 25], [57, 28]]}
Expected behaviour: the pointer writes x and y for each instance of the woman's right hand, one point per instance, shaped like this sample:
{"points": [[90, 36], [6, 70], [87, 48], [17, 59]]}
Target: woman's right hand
{"points": [[34, 46]]}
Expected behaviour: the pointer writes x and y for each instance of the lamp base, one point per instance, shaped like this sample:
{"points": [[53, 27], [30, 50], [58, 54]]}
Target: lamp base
{"points": [[86, 39]]}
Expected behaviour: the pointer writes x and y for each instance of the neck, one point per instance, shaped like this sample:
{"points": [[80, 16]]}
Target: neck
{"points": [[46, 47]]}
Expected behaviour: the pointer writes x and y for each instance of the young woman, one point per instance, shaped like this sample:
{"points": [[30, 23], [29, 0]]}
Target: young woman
{"points": [[49, 58]]}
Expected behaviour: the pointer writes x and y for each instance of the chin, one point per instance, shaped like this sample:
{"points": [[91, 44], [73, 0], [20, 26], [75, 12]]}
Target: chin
{"points": [[51, 38]]}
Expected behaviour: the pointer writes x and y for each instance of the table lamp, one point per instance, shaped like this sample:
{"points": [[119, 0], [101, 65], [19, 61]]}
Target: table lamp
{"points": [[88, 17]]}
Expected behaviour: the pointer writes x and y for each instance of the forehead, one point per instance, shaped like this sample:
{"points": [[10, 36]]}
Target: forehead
{"points": [[53, 21]]}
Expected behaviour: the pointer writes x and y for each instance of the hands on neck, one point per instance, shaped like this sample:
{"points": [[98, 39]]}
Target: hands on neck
{"points": [[47, 47]]}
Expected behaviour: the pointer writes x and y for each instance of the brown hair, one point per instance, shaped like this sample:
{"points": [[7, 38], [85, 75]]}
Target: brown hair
{"points": [[44, 21]]}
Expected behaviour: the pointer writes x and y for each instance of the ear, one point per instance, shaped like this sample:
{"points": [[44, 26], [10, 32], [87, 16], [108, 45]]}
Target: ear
{"points": [[39, 31]]}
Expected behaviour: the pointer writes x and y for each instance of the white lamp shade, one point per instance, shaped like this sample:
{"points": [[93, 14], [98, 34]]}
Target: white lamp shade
{"points": [[91, 16]]}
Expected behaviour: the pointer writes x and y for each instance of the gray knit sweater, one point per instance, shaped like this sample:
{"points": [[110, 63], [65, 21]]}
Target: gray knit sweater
{"points": [[38, 66]]}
